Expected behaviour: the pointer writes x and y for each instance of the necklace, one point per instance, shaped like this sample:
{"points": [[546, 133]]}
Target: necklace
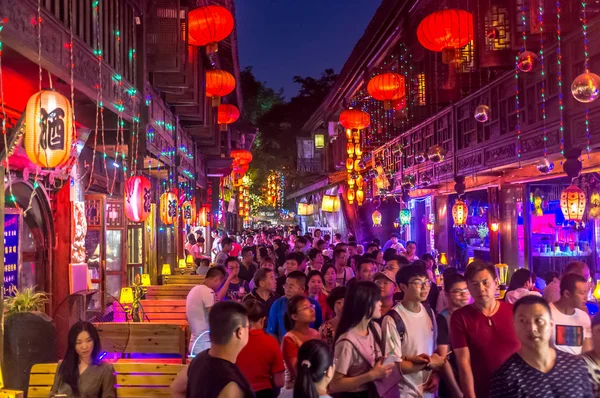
{"points": [[489, 317]]}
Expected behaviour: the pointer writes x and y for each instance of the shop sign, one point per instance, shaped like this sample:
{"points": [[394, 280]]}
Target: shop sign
{"points": [[11, 253]]}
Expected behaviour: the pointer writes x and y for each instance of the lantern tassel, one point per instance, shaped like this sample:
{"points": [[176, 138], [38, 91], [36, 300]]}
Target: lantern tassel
{"points": [[223, 127], [212, 48], [216, 101]]}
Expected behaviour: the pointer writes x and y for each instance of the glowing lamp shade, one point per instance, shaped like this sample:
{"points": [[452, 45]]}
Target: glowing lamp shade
{"points": [[181, 263], [302, 209], [387, 87], [494, 226], [572, 203], [405, 216], [355, 119], [166, 269], [597, 290], [360, 196], [460, 212], [443, 259], [376, 217], [188, 210], [330, 203], [126, 296], [502, 270], [145, 279], [168, 208], [445, 31], [349, 164], [396, 223], [471, 259], [319, 141], [208, 25], [48, 129], [203, 217], [219, 83], [430, 226], [138, 193], [227, 114]]}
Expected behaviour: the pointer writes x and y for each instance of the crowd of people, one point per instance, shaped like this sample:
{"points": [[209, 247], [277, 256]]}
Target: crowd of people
{"points": [[313, 316]]}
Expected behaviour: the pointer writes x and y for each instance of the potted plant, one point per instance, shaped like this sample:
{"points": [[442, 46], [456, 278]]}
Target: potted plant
{"points": [[29, 336]]}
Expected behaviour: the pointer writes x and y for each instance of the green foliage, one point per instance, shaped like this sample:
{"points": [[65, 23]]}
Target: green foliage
{"points": [[26, 300], [258, 98]]}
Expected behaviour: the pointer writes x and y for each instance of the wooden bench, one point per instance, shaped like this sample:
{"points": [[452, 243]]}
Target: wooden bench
{"points": [[139, 380], [144, 337], [168, 292], [180, 279], [164, 311]]}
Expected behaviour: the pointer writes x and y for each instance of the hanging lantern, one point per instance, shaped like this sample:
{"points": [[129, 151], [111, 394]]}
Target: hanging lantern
{"points": [[208, 25], [350, 149], [357, 150], [436, 153], [405, 217], [446, 31], [48, 129], [227, 114], [330, 203], [319, 141], [430, 226], [168, 208], [349, 164], [494, 227], [527, 61], [420, 157], [586, 87], [138, 193], [460, 212], [240, 156], [376, 217], [302, 209], [238, 173], [396, 223], [387, 87], [572, 203], [350, 195], [482, 113], [355, 119], [360, 196], [351, 181], [594, 205], [219, 83], [203, 217], [189, 212], [545, 166]]}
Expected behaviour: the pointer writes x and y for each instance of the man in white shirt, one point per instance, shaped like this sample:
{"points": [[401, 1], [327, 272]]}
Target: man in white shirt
{"points": [[197, 306], [410, 334], [344, 273], [216, 244], [573, 327]]}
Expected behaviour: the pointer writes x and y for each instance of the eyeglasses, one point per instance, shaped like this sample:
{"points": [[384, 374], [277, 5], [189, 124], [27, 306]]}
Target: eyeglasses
{"points": [[308, 307], [421, 284], [460, 291]]}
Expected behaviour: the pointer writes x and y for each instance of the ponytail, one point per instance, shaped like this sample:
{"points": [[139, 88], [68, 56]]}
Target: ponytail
{"points": [[304, 386], [314, 359]]}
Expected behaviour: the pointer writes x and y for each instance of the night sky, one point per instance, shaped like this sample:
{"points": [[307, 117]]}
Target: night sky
{"points": [[285, 38]]}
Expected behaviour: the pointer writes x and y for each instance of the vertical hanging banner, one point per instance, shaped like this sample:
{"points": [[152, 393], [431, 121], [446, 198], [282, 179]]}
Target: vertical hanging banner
{"points": [[12, 228]]}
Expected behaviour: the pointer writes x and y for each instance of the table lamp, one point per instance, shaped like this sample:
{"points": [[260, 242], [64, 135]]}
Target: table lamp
{"points": [[145, 279], [443, 259], [189, 260], [502, 277], [126, 296], [182, 263], [166, 269]]}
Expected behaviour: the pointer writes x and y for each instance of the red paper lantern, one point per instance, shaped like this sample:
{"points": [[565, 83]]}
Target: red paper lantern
{"points": [[208, 25], [203, 218], [227, 114], [138, 193], [355, 119], [219, 83], [446, 31], [240, 156], [387, 87]]}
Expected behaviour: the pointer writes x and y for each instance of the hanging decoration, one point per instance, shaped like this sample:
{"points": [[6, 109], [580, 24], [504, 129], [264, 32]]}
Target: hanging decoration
{"points": [[208, 25], [527, 61], [545, 166], [408, 182], [330, 204], [586, 87], [572, 204], [275, 189], [354, 120], [436, 153], [168, 208], [376, 217], [594, 205], [405, 217], [219, 83], [49, 129], [244, 198], [482, 113], [188, 210], [226, 115], [396, 223], [203, 217], [420, 157], [460, 212], [446, 31], [138, 194], [387, 87]]}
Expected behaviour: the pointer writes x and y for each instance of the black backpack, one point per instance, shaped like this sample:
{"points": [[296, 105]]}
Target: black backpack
{"points": [[401, 327]]}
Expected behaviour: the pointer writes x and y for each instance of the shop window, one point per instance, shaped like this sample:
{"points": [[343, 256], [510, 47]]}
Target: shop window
{"points": [[466, 59], [497, 29]]}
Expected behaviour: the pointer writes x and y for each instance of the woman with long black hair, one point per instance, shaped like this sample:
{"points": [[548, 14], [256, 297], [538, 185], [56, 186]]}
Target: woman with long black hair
{"points": [[81, 374], [358, 355], [315, 370]]}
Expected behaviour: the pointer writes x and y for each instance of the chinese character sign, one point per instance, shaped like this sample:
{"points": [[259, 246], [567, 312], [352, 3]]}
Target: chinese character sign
{"points": [[11, 253]]}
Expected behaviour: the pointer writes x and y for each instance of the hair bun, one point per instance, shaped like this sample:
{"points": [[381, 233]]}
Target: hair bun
{"points": [[306, 363]]}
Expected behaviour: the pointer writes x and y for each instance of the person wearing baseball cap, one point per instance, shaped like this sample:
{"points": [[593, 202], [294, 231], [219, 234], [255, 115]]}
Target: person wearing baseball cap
{"points": [[388, 288]]}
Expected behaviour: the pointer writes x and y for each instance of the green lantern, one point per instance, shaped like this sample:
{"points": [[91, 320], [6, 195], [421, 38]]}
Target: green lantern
{"points": [[405, 217]]}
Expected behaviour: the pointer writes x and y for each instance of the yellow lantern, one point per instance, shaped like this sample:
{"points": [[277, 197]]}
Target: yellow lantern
{"points": [[349, 164], [350, 149], [145, 279], [597, 290], [168, 208], [360, 196], [357, 164], [350, 195], [460, 212], [319, 141], [359, 182], [330, 203], [356, 136], [376, 217], [48, 129], [166, 269], [350, 181], [443, 259], [572, 203], [357, 150], [349, 134], [302, 208], [189, 212]]}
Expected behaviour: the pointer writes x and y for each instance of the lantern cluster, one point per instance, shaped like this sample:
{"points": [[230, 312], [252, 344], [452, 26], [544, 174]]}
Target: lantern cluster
{"points": [[240, 165], [138, 195], [354, 120], [244, 198], [275, 189]]}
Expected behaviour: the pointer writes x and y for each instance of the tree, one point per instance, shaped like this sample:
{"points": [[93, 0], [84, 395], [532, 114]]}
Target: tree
{"points": [[258, 98]]}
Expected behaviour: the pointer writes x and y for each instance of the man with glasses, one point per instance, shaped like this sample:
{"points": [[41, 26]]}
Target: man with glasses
{"points": [[410, 333], [455, 289], [482, 334]]}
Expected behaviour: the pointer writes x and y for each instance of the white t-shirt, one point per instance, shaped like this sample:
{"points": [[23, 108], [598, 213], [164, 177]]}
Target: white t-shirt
{"points": [[418, 339], [348, 273], [570, 330], [199, 300]]}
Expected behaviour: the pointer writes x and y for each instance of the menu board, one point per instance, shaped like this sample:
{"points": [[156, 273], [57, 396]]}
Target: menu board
{"points": [[11, 253]]}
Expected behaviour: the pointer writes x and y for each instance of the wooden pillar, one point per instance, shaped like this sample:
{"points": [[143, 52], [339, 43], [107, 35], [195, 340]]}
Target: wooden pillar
{"points": [[62, 254]]}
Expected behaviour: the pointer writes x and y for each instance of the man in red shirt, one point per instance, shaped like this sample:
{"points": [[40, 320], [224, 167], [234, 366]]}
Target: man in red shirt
{"points": [[261, 361], [482, 334]]}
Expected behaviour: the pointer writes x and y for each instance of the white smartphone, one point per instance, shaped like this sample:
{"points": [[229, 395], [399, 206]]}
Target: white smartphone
{"points": [[390, 360]]}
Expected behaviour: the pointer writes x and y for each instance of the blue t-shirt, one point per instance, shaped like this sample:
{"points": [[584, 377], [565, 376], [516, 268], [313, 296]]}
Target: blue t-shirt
{"points": [[276, 326]]}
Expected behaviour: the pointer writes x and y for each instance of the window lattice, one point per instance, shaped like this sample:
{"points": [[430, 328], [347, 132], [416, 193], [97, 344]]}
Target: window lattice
{"points": [[497, 29]]}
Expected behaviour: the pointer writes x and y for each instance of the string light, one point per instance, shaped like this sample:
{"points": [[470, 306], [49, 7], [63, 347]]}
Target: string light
{"points": [[517, 71], [543, 73], [587, 70], [559, 78]]}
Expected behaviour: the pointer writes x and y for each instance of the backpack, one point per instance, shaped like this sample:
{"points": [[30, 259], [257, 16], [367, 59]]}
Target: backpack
{"points": [[401, 327]]}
